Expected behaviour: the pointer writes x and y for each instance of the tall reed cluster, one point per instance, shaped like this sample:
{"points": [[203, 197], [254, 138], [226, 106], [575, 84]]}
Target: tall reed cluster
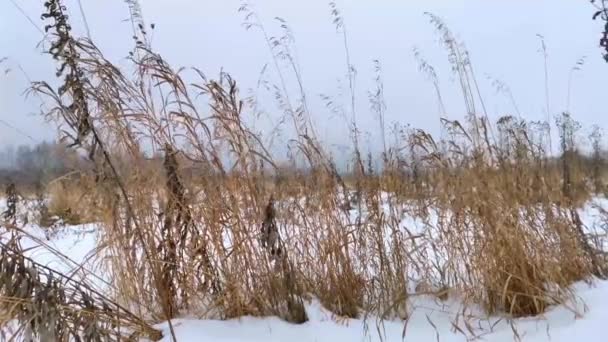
{"points": [[220, 228]]}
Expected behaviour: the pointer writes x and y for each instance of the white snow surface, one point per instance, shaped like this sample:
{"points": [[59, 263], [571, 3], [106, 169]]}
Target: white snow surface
{"points": [[433, 323], [586, 319]]}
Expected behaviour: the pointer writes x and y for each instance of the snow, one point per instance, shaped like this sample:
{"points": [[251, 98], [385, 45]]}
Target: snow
{"points": [[429, 323], [430, 319], [64, 248], [75, 242]]}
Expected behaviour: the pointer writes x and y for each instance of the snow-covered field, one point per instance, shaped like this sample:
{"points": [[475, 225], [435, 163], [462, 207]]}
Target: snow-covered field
{"points": [[431, 320]]}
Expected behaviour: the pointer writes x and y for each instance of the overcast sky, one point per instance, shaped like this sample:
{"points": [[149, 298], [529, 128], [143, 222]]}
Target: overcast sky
{"points": [[501, 37]]}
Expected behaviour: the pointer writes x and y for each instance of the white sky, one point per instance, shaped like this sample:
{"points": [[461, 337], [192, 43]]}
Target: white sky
{"points": [[500, 36]]}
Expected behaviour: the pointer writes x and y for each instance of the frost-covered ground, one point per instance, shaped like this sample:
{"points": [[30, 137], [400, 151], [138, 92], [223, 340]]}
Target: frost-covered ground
{"points": [[584, 320]]}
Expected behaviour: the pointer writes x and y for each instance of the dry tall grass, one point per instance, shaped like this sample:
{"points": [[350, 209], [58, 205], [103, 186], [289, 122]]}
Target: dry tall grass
{"points": [[220, 229]]}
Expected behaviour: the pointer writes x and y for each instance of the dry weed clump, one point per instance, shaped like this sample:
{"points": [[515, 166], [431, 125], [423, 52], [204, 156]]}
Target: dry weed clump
{"points": [[71, 202], [12, 199], [199, 217], [507, 245], [42, 304]]}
